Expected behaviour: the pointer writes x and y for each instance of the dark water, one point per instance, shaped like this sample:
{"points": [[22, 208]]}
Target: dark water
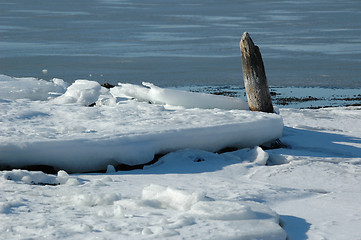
{"points": [[181, 42]]}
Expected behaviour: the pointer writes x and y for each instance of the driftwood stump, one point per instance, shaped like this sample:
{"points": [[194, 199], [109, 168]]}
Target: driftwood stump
{"points": [[254, 76]]}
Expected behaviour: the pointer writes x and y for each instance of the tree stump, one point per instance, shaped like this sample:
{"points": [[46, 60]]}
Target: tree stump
{"points": [[254, 76]]}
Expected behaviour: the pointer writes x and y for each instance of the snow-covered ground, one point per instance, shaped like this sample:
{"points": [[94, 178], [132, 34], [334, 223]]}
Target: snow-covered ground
{"points": [[65, 133], [309, 190]]}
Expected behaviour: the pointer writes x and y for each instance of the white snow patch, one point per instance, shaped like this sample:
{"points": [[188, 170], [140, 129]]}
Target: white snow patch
{"points": [[30, 88]]}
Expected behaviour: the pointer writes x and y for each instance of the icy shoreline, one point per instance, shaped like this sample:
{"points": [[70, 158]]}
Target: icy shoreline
{"points": [[123, 128], [311, 188], [293, 97]]}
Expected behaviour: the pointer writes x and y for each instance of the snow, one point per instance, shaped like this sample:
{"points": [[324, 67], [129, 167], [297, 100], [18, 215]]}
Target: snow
{"points": [[65, 133], [173, 97], [31, 88], [82, 92], [152, 212], [309, 190], [39, 178]]}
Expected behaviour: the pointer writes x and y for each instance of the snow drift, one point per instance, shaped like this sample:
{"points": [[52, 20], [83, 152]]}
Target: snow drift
{"points": [[64, 133]]}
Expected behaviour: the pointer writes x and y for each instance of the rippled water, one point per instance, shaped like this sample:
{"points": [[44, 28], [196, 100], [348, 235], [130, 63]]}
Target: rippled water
{"points": [[181, 42]]}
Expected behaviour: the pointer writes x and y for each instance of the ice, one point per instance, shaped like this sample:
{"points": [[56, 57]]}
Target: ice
{"points": [[163, 197], [31, 88], [222, 210], [65, 133], [34, 177], [183, 44], [82, 92], [309, 190], [254, 155], [62, 177], [154, 94], [110, 169]]}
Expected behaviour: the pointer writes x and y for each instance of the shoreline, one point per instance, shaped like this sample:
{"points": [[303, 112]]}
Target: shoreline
{"points": [[292, 97], [306, 97]]}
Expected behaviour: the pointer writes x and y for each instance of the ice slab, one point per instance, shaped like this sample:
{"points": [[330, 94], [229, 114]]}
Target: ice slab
{"points": [[66, 134]]}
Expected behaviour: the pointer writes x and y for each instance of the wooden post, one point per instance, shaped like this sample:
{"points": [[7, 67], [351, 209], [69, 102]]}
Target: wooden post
{"points": [[254, 76]]}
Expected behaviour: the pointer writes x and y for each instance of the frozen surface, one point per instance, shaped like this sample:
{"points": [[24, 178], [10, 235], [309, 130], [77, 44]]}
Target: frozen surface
{"points": [[31, 88], [181, 43], [150, 212], [312, 187], [67, 134], [177, 97]]}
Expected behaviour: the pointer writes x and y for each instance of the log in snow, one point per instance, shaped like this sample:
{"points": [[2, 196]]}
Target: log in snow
{"points": [[254, 76]]}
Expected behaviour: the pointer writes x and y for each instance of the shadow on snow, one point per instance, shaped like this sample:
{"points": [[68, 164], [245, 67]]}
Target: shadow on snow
{"points": [[313, 143], [296, 228]]}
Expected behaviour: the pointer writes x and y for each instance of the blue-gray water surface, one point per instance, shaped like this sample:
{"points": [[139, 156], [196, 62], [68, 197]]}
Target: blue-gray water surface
{"points": [[181, 42]]}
